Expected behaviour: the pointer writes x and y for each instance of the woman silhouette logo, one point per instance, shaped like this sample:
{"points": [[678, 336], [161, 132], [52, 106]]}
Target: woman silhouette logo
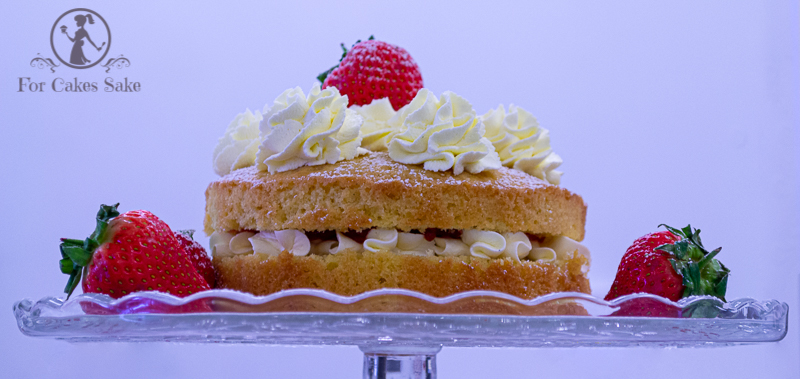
{"points": [[89, 42]]}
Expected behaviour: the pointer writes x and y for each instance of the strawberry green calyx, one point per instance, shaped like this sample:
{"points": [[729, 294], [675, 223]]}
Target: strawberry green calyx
{"points": [[321, 77], [77, 254], [702, 274], [189, 233]]}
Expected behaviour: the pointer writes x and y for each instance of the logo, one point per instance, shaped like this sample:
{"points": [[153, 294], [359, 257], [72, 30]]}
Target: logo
{"points": [[75, 48], [80, 39]]}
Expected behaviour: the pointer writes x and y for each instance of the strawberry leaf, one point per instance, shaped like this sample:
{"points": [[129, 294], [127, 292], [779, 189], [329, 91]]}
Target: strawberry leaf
{"points": [[72, 283], [702, 273], [697, 238], [668, 247], [687, 231], [71, 242], [189, 233], [701, 309], [672, 230], [706, 259], [77, 254], [722, 287], [66, 265]]}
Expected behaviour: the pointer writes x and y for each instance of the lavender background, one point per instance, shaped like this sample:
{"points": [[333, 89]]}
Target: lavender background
{"points": [[673, 113]]}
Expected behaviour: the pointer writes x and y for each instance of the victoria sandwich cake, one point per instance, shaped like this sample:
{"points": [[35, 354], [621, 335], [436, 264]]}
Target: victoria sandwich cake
{"points": [[348, 189]]}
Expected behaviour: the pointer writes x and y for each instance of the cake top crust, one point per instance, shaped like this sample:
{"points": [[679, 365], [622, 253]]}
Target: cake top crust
{"points": [[377, 168], [373, 191]]}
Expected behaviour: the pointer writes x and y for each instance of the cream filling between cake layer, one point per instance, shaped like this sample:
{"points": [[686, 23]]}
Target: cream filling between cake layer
{"points": [[476, 243]]}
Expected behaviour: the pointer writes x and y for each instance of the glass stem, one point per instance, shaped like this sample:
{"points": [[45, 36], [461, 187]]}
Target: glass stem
{"points": [[399, 362]]}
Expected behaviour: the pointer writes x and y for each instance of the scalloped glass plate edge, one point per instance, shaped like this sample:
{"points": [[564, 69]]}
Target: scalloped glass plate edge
{"points": [[315, 317], [390, 300]]}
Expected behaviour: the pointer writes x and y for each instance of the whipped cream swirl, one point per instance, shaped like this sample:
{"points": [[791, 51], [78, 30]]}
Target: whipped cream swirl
{"points": [[443, 134], [398, 242], [487, 244], [224, 244], [521, 143], [343, 243], [239, 146], [274, 243], [381, 123], [476, 243], [308, 131]]}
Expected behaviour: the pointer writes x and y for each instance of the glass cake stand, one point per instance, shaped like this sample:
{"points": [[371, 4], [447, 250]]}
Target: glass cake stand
{"points": [[401, 331]]}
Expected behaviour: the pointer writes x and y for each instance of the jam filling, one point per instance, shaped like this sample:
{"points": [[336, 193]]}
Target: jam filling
{"points": [[361, 235]]}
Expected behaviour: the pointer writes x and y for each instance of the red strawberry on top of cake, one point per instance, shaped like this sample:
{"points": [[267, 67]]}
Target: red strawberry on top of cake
{"points": [[374, 70]]}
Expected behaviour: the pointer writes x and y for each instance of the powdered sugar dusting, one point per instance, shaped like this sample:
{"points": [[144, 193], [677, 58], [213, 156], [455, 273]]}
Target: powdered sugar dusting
{"points": [[378, 168]]}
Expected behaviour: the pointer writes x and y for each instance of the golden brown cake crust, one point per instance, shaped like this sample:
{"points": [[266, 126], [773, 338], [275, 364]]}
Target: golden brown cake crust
{"points": [[353, 273], [374, 191]]}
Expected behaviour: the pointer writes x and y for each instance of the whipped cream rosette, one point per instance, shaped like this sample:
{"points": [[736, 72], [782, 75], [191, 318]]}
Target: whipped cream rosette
{"points": [[398, 242], [300, 130], [488, 244], [341, 244], [443, 134], [275, 242], [381, 123], [238, 147], [225, 244], [521, 143]]}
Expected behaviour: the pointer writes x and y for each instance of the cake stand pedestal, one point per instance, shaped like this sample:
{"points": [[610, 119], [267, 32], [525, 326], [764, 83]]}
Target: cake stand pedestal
{"points": [[399, 345], [388, 362]]}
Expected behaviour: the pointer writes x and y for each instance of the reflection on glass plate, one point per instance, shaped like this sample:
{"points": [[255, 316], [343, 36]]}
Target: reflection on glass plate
{"points": [[402, 317]]}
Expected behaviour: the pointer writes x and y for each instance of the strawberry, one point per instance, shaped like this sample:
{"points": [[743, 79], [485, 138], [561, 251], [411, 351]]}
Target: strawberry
{"points": [[672, 264], [127, 253], [373, 70], [197, 254], [647, 307]]}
